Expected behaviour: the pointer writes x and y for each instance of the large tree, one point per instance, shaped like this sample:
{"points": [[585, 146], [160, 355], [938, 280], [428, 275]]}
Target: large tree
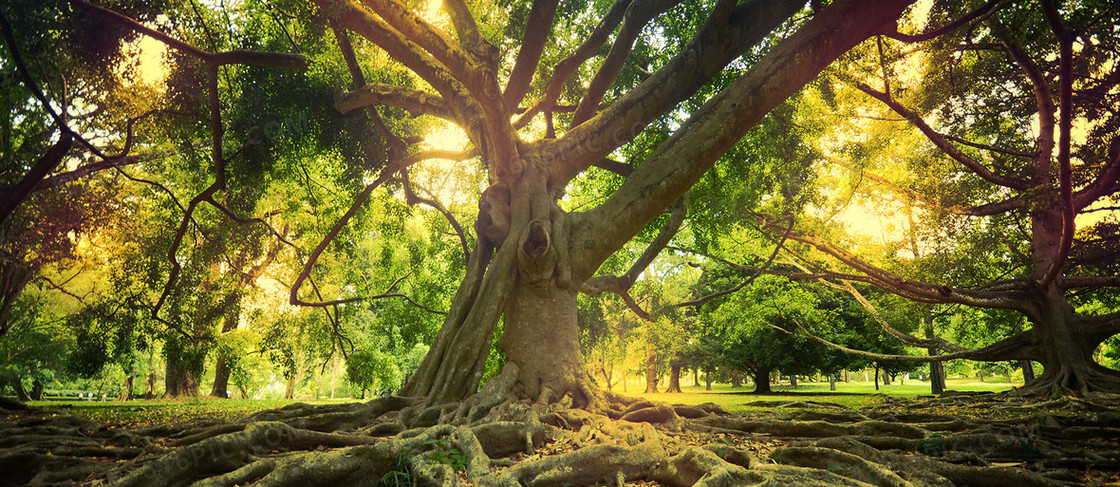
{"points": [[531, 257], [998, 142]]}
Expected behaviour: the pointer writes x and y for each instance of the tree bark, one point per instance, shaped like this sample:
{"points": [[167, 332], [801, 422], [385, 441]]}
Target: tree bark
{"points": [[221, 368], [651, 371], [832, 382], [37, 390], [762, 381], [1028, 371], [179, 381], [674, 379], [126, 391], [21, 392], [543, 255], [936, 369], [1064, 345]]}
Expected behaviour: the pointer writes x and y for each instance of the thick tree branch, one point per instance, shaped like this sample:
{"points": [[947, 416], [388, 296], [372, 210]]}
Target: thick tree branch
{"points": [[466, 27], [984, 10], [415, 101], [913, 289], [681, 160], [248, 58], [942, 142], [403, 20], [1065, 125], [637, 16], [354, 17], [621, 284], [43, 166], [1044, 100], [1017, 347], [569, 64], [538, 29], [1106, 181], [729, 31]]}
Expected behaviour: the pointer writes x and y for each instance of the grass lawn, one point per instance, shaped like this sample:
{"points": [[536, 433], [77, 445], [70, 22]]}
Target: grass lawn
{"points": [[853, 394], [142, 412]]}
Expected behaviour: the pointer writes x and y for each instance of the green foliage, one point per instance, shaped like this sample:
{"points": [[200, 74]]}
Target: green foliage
{"points": [[446, 454]]}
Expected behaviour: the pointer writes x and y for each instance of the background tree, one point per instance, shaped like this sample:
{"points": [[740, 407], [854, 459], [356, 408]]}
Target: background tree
{"points": [[993, 187]]}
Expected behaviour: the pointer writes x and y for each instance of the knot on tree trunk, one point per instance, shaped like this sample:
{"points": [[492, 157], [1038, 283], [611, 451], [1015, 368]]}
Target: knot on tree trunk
{"points": [[494, 213], [536, 256]]}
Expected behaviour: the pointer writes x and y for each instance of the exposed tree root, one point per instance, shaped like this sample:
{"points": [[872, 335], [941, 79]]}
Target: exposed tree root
{"points": [[494, 439]]}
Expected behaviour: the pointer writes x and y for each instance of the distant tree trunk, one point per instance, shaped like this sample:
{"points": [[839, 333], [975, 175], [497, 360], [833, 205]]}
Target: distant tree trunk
{"points": [[1028, 371], [151, 386], [179, 381], [793, 381], [221, 378], [832, 382], [36, 390], [886, 378], [762, 381], [290, 389], [847, 376], [736, 380], [126, 391], [876, 378], [696, 377], [980, 373], [221, 369], [708, 380], [651, 371], [674, 379], [21, 392], [936, 369]]}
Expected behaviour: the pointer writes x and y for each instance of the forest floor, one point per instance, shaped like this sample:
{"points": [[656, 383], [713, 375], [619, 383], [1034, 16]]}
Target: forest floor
{"points": [[805, 436]]}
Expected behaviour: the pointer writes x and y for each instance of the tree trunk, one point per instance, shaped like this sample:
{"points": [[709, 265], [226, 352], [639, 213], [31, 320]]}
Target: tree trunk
{"points": [[221, 378], [876, 378], [832, 382], [651, 371], [762, 381], [126, 391], [1028, 371], [847, 376], [674, 379], [696, 377], [37, 390], [793, 381], [708, 380], [21, 392], [1064, 346], [736, 380], [221, 368], [290, 388], [936, 369], [886, 378], [179, 381]]}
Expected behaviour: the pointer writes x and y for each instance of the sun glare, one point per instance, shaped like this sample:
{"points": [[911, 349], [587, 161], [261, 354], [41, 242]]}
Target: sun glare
{"points": [[432, 14], [146, 55], [447, 180]]}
